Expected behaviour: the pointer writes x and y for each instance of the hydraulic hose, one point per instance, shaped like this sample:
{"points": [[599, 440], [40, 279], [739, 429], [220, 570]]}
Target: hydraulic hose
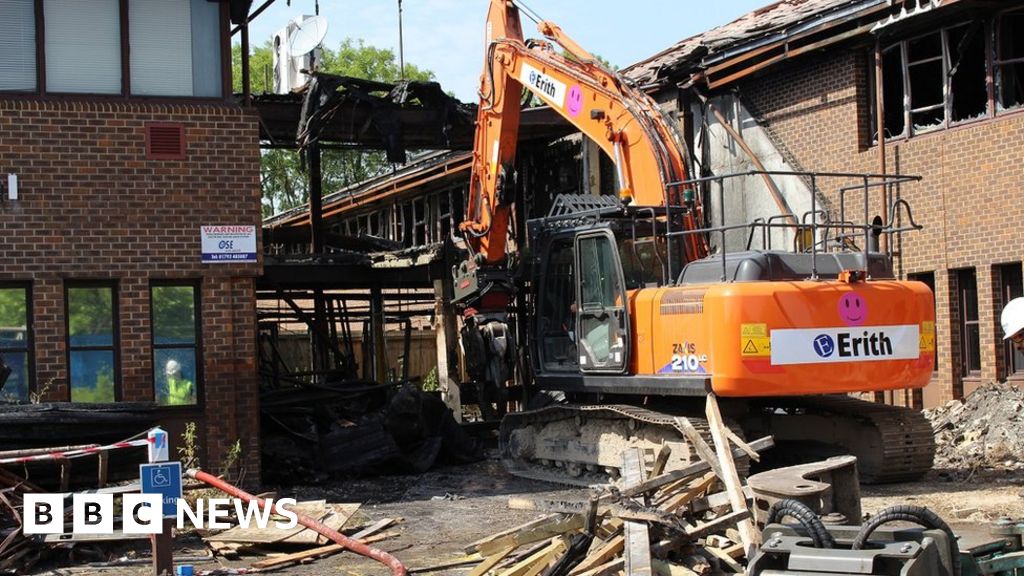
{"points": [[820, 535], [918, 515], [384, 558]]}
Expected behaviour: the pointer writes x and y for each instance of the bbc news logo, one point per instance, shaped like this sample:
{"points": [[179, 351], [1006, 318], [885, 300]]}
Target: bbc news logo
{"points": [[141, 514]]}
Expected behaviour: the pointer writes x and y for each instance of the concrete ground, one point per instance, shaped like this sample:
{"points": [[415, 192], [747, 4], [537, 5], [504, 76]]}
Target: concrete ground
{"points": [[445, 509]]}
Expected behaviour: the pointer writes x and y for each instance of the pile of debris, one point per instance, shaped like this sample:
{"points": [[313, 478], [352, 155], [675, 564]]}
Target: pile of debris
{"points": [[693, 520], [982, 430]]}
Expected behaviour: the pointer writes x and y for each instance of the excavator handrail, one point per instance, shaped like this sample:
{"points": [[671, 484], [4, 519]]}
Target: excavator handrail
{"points": [[866, 229]]}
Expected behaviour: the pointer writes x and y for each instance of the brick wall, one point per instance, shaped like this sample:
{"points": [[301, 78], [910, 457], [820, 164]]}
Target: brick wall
{"points": [[92, 207], [969, 201]]}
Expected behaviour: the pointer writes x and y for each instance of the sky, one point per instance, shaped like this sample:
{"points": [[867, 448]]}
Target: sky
{"points": [[446, 36]]}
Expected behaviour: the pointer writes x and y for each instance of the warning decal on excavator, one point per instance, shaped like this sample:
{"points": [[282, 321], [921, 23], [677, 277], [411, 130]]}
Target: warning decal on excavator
{"points": [[754, 341], [928, 336]]}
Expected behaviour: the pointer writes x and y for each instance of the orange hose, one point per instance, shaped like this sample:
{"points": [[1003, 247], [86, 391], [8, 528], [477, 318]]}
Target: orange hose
{"points": [[384, 558]]}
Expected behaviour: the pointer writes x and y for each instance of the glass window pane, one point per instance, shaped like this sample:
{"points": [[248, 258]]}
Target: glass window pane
{"points": [[160, 33], [174, 372], [91, 316], [92, 375], [1010, 83], [969, 91], [926, 82], [973, 348], [83, 46], [893, 92], [18, 45], [174, 315], [206, 73], [16, 388], [13, 318]]}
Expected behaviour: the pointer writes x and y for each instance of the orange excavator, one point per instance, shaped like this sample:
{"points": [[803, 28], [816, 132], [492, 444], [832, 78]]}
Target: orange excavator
{"points": [[628, 320]]}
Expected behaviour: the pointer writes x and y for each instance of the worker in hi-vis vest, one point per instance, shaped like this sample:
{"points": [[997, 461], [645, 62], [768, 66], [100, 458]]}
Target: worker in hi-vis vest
{"points": [[180, 390]]}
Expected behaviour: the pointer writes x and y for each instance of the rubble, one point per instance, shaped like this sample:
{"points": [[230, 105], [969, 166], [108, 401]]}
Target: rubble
{"points": [[689, 521], [981, 431]]}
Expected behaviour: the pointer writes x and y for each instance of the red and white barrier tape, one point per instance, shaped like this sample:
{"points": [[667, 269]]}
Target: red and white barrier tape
{"points": [[76, 453]]}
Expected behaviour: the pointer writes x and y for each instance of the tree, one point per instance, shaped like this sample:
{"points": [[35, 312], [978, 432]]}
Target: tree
{"points": [[283, 182]]}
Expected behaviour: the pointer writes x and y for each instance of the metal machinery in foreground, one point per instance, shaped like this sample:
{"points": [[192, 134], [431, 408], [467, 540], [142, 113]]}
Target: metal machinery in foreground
{"points": [[625, 313]]}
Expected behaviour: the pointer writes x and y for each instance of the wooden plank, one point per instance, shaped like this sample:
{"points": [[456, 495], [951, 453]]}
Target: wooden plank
{"points": [[606, 552], [492, 561], [536, 534], [638, 541], [663, 568], [661, 460], [726, 559], [698, 487], [445, 564], [713, 525], [690, 471], [731, 478], [528, 525], [701, 446], [528, 564], [607, 569], [315, 552], [751, 453]]}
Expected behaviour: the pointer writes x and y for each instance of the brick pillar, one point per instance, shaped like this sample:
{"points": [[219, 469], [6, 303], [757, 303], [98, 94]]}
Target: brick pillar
{"points": [[135, 340], [49, 329]]}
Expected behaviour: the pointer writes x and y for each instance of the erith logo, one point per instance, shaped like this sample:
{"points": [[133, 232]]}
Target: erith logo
{"points": [[823, 345], [850, 346], [544, 85]]}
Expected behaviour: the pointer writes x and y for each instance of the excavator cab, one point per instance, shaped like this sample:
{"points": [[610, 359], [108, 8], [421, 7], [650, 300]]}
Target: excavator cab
{"points": [[582, 324]]}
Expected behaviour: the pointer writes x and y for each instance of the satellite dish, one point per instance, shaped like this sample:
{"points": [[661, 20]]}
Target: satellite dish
{"points": [[307, 35]]}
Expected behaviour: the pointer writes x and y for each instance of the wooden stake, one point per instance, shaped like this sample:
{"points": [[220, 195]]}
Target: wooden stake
{"points": [[730, 477]]}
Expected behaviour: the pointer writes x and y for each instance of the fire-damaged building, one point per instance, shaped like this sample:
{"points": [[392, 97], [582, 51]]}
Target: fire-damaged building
{"points": [[811, 85], [130, 200], [804, 86]]}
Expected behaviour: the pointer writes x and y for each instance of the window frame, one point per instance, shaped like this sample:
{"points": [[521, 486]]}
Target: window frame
{"points": [[115, 346], [29, 334], [196, 345], [41, 91], [1010, 367], [966, 370], [989, 28]]}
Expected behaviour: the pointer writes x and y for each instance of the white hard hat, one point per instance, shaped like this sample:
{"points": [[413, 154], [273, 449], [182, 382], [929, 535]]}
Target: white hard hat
{"points": [[1013, 318], [172, 368]]}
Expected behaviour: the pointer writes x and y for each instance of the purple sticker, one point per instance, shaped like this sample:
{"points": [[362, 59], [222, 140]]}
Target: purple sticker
{"points": [[574, 101], [853, 309]]}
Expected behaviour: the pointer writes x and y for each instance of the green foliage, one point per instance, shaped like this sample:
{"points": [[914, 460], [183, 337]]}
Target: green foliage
{"points": [[174, 313], [431, 383], [91, 311], [12, 308], [189, 449], [282, 179]]}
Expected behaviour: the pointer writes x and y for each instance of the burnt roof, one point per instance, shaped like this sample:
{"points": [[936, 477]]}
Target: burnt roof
{"points": [[750, 38]]}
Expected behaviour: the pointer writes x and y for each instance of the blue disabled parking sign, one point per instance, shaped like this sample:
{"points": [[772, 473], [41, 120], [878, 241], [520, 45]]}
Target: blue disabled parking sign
{"points": [[163, 478]]}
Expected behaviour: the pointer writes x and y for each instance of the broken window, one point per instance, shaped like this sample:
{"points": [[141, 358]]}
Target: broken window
{"points": [[1009, 64], [935, 80], [966, 67]]}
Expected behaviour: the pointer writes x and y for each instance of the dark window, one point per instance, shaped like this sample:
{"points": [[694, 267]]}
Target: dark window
{"points": [[935, 81], [16, 341], [928, 279], [1010, 286], [556, 320], [970, 331], [1009, 65], [92, 343], [176, 362]]}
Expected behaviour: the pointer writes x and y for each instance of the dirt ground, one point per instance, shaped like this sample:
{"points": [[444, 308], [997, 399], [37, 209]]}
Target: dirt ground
{"points": [[445, 509]]}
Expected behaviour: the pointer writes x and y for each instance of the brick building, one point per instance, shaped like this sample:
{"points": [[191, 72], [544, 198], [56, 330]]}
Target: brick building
{"points": [[118, 122], [797, 78]]}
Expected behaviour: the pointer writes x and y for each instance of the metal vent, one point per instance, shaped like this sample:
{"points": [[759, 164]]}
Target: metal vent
{"points": [[165, 142]]}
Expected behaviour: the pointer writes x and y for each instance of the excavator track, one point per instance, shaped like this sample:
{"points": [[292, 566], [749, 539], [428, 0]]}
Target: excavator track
{"points": [[581, 445], [892, 443]]}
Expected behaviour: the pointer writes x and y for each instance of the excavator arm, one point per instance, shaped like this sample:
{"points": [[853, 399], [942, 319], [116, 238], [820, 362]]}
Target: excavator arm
{"points": [[625, 122]]}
